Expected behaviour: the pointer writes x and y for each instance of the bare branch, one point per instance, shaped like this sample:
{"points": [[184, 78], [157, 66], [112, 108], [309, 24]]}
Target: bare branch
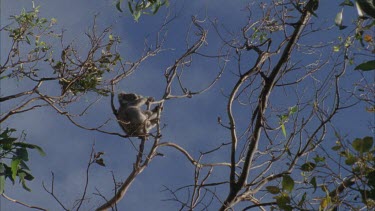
{"points": [[52, 193], [22, 203], [190, 158]]}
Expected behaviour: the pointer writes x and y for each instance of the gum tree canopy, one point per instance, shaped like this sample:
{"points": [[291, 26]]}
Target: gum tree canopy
{"points": [[264, 104]]}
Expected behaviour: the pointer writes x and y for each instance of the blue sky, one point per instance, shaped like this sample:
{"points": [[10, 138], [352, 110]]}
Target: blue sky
{"points": [[191, 123]]}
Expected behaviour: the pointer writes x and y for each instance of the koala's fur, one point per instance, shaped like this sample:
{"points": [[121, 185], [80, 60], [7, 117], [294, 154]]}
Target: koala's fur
{"points": [[133, 120]]}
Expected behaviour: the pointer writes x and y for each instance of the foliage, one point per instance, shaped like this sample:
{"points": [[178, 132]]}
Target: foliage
{"points": [[139, 7], [285, 117], [31, 53], [74, 74], [366, 66], [14, 155], [364, 34], [279, 157], [359, 156]]}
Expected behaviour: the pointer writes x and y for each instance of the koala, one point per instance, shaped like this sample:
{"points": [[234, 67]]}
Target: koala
{"points": [[132, 119]]}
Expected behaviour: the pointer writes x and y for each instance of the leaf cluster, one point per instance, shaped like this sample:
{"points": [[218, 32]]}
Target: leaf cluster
{"points": [[77, 76], [361, 158], [13, 157], [363, 33], [139, 7], [28, 28]]}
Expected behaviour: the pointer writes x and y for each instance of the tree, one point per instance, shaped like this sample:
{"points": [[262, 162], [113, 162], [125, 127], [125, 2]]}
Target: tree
{"points": [[284, 93]]}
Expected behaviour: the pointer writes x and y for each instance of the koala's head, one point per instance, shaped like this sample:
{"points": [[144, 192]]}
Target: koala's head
{"points": [[124, 98]]}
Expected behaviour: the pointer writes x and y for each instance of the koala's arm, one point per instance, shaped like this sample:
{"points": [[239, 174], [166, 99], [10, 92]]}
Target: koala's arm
{"points": [[141, 101], [153, 114]]}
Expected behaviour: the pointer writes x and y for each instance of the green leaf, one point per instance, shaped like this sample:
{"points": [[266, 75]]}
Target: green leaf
{"points": [[118, 6], [8, 172], [366, 195], [284, 117], [344, 153], [363, 145], [8, 140], [26, 174], [283, 129], [28, 40], [155, 10], [4, 77], [324, 203], [14, 167], [347, 3], [309, 166], [287, 183], [336, 148], [2, 169], [2, 178], [137, 15], [293, 110], [130, 8], [23, 181], [368, 141], [53, 20], [273, 189], [31, 146], [319, 159], [283, 201], [300, 203], [371, 179], [22, 154], [350, 160], [338, 19], [313, 183], [2, 184], [23, 165], [5, 136], [366, 66]]}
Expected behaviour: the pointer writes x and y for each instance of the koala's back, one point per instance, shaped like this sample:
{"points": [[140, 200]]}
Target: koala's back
{"points": [[132, 114], [132, 120]]}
